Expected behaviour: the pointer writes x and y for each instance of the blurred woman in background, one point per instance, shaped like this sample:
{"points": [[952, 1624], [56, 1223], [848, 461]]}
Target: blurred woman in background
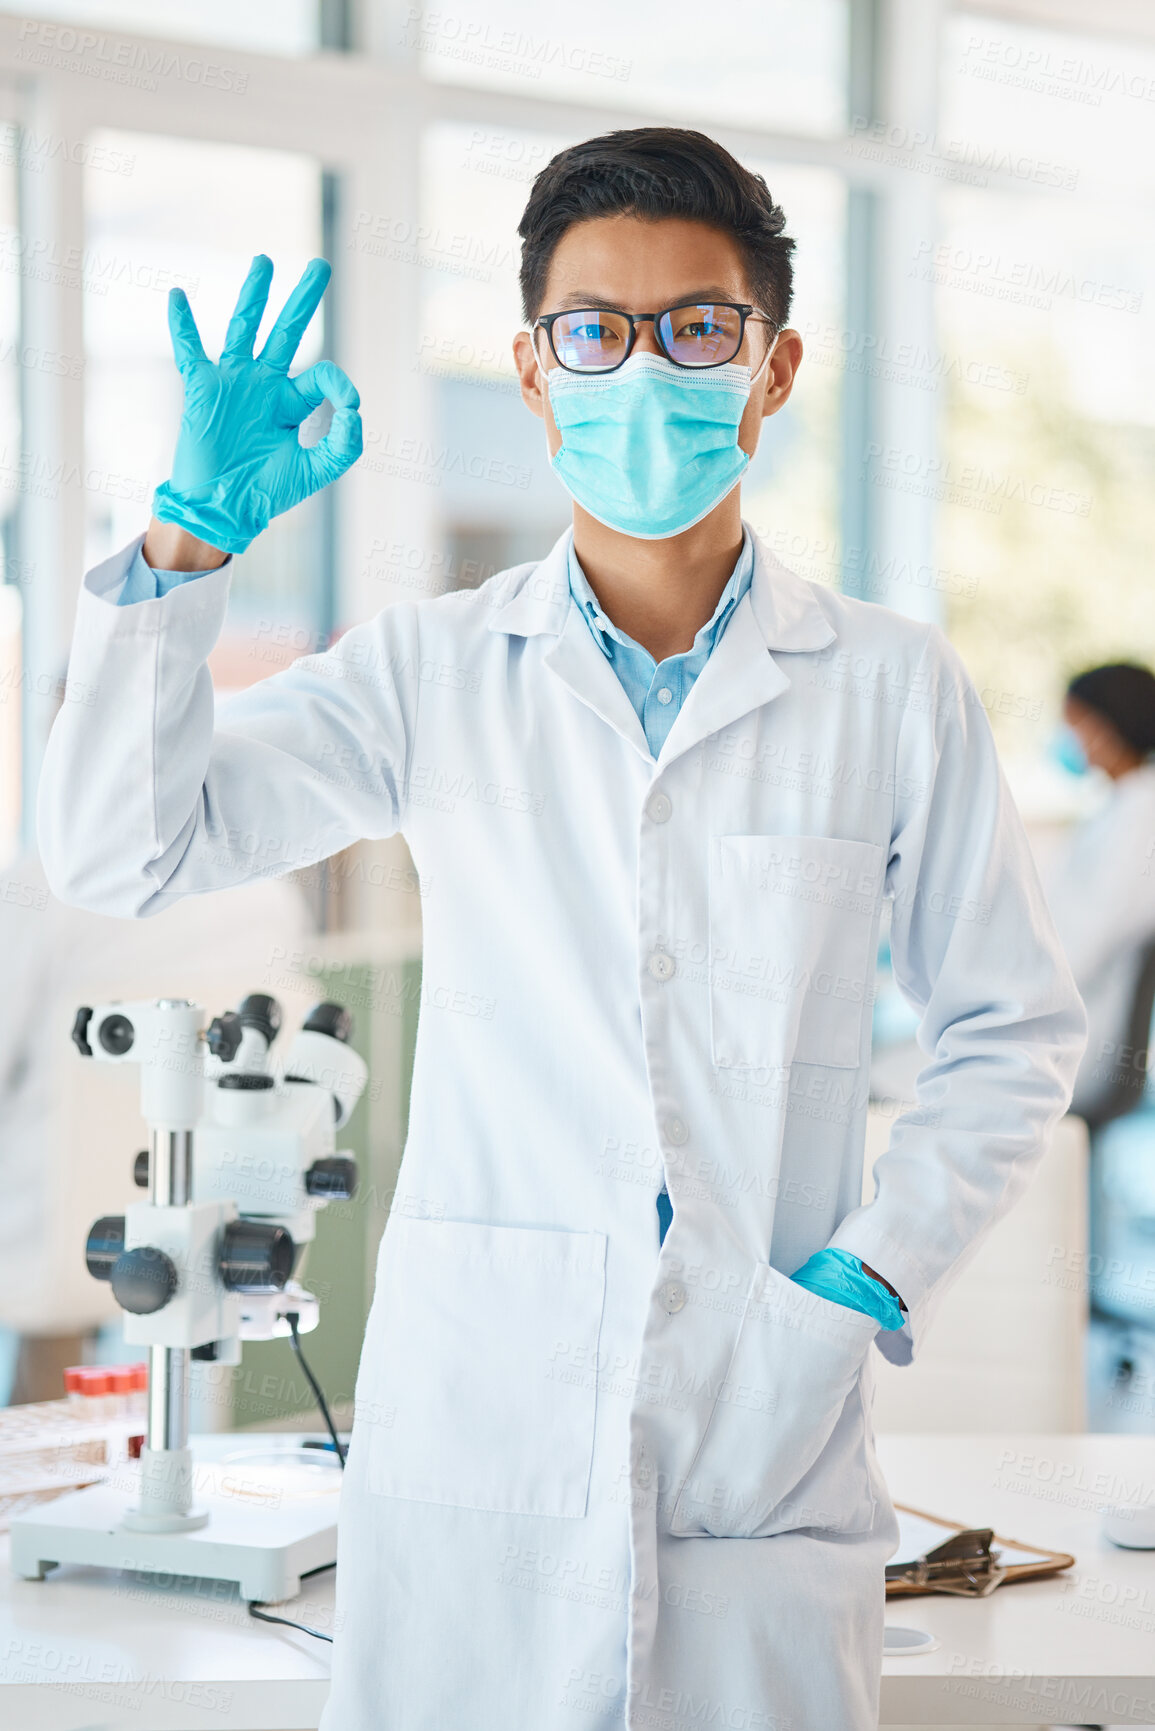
{"points": [[1102, 887]]}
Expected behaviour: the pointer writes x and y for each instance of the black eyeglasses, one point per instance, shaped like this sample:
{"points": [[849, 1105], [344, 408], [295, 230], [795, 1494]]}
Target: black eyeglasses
{"points": [[600, 339]]}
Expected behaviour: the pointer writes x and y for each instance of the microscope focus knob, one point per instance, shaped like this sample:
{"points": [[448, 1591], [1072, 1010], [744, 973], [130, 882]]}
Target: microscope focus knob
{"points": [[256, 1257], [143, 1280], [334, 1176], [104, 1245], [224, 1036], [140, 1170], [80, 1031]]}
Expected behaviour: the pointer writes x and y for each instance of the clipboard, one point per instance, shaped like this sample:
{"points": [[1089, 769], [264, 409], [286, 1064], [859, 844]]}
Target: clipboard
{"points": [[967, 1562]]}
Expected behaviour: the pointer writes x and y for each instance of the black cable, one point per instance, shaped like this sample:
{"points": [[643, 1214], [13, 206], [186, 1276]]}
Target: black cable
{"points": [[293, 1317], [256, 1606], [256, 1610]]}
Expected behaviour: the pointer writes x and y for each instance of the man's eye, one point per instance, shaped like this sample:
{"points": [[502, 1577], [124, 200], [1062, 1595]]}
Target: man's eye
{"points": [[594, 333], [697, 331]]}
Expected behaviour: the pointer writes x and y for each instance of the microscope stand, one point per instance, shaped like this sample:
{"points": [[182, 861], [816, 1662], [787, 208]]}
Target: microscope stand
{"points": [[265, 1545]]}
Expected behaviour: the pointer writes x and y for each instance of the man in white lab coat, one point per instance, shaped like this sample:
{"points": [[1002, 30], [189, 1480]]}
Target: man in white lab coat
{"points": [[610, 1457]]}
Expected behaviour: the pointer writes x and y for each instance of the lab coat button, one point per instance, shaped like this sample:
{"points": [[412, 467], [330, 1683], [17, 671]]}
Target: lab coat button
{"points": [[661, 965], [659, 808], [676, 1131], [672, 1297], [643, 1474]]}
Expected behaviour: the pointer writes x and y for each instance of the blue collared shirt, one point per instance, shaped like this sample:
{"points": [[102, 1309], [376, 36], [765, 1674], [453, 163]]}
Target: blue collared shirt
{"points": [[145, 583], [658, 690]]}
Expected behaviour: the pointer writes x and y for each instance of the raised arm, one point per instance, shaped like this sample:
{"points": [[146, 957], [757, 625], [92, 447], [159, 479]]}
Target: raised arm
{"points": [[147, 794], [151, 792]]}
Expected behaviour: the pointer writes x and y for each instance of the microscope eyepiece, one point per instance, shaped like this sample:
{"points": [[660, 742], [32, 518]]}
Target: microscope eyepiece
{"points": [[116, 1034], [332, 1019], [261, 1013]]}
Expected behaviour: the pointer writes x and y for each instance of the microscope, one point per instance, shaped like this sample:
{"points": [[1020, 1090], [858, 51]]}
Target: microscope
{"points": [[242, 1156]]}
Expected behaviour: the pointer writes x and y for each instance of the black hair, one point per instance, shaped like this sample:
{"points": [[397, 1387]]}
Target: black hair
{"points": [[1124, 694], [654, 172]]}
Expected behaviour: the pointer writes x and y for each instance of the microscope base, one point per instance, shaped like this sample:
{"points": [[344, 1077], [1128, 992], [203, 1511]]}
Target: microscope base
{"points": [[265, 1549]]}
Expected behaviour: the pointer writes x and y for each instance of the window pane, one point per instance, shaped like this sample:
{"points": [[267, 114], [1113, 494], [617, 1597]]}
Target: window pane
{"points": [[498, 500], [267, 26], [1050, 441], [168, 222], [770, 63], [791, 494], [14, 575]]}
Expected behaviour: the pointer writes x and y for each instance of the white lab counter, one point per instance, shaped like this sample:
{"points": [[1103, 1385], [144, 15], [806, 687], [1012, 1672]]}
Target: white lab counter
{"points": [[1077, 1648], [84, 1651]]}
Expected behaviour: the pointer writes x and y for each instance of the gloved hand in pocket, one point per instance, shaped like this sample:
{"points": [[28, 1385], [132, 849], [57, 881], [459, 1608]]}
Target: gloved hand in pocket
{"points": [[840, 1277]]}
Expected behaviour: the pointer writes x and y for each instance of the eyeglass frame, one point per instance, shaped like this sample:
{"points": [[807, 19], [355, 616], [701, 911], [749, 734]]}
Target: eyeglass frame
{"points": [[749, 314]]}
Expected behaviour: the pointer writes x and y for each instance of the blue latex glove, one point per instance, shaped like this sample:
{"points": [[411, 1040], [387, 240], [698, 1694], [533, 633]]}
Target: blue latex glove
{"points": [[238, 460], [838, 1276]]}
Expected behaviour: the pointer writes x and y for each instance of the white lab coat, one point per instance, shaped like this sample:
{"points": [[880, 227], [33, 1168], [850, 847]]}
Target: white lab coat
{"points": [[1101, 891], [587, 1477]]}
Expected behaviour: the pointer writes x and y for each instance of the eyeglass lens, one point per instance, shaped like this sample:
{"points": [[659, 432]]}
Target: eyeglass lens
{"points": [[593, 341]]}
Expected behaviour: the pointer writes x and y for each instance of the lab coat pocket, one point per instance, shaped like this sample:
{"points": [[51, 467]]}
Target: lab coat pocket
{"points": [[792, 933], [484, 1386], [785, 1446]]}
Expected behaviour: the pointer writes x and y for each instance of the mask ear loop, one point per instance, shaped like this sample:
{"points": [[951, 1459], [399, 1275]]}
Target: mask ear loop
{"points": [[765, 361]]}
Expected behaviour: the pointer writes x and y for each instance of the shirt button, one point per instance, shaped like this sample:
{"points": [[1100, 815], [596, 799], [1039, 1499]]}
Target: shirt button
{"points": [[665, 695], [659, 808], [672, 1297], [677, 1131], [661, 965]]}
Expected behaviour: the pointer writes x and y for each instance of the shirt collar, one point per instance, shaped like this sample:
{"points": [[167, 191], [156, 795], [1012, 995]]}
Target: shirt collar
{"points": [[535, 599], [603, 628]]}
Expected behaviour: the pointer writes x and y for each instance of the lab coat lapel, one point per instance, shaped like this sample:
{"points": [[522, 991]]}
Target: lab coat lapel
{"points": [[779, 612], [580, 664], [539, 602]]}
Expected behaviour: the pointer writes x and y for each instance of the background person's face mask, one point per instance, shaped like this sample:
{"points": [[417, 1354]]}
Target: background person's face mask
{"points": [[1066, 749], [650, 449]]}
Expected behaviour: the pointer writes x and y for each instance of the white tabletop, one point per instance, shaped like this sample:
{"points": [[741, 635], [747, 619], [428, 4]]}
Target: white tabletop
{"points": [[88, 1651], [1075, 1648]]}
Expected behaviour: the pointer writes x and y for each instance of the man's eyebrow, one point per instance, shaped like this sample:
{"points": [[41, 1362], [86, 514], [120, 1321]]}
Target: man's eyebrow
{"points": [[697, 297]]}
